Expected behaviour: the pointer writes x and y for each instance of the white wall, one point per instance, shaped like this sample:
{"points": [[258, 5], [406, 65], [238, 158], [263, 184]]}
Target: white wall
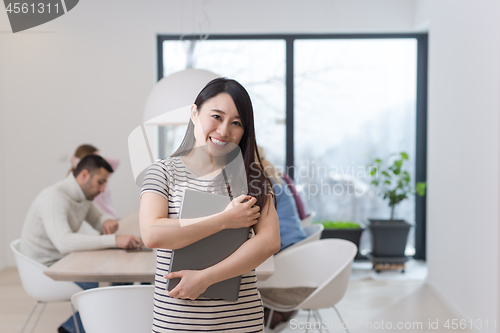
{"points": [[463, 154], [84, 77], [3, 247]]}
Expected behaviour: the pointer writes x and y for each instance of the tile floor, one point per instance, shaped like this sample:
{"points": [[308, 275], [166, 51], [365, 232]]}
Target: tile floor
{"points": [[372, 303]]}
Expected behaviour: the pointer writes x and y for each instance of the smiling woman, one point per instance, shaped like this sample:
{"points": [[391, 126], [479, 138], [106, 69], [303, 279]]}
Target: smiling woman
{"points": [[218, 125], [221, 127]]}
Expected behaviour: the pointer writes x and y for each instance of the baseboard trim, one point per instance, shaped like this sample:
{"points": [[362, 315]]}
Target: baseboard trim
{"points": [[451, 306]]}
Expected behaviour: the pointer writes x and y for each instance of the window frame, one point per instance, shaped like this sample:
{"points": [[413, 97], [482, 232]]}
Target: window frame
{"points": [[421, 102]]}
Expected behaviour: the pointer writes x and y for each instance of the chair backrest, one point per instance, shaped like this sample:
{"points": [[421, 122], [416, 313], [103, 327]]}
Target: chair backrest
{"points": [[116, 309], [307, 220], [38, 285], [313, 233], [323, 264]]}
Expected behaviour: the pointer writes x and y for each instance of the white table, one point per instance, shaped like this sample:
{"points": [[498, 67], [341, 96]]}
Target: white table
{"points": [[116, 265]]}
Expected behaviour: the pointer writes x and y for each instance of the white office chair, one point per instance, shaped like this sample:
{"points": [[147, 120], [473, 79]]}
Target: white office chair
{"points": [[38, 285], [307, 220], [116, 309], [313, 233], [310, 277]]}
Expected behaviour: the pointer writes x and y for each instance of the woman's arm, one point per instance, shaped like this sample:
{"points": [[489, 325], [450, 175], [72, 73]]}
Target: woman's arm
{"points": [[251, 254], [159, 231]]}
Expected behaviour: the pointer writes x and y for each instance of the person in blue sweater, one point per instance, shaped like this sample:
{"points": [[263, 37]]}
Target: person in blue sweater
{"points": [[291, 231]]}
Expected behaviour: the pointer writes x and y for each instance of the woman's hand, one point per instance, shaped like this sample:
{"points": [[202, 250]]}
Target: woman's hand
{"points": [[192, 284], [242, 214]]}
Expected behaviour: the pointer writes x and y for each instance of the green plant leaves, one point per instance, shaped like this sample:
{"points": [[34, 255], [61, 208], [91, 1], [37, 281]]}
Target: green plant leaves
{"points": [[396, 183], [340, 224], [420, 188], [406, 177]]}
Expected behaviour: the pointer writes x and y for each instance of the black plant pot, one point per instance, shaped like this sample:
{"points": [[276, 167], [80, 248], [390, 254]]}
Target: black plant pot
{"points": [[352, 235], [389, 238]]}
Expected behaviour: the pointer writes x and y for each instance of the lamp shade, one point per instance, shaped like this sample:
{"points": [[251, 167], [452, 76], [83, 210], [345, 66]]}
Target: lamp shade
{"points": [[176, 91], [168, 104]]}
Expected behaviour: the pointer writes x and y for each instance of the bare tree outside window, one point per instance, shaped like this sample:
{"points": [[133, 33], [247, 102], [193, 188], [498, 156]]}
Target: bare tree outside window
{"points": [[259, 65]]}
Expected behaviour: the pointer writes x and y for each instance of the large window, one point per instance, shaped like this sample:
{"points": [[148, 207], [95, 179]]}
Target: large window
{"points": [[354, 100], [325, 106], [259, 65]]}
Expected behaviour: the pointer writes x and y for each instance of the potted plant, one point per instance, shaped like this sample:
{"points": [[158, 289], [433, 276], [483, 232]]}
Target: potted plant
{"points": [[347, 230], [389, 237]]}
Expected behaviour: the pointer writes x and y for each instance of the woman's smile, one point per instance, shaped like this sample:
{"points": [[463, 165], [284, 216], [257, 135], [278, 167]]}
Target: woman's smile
{"points": [[218, 142]]}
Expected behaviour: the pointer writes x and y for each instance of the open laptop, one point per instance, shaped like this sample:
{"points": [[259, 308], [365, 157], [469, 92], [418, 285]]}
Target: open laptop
{"points": [[210, 250]]}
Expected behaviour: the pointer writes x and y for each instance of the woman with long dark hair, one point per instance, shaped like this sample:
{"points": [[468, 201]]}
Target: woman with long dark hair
{"points": [[219, 155]]}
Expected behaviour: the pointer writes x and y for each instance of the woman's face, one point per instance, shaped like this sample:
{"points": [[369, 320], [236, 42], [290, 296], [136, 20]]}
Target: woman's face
{"points": [[218, 126]]}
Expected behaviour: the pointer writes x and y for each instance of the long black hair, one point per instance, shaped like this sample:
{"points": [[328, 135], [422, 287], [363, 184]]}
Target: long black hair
{"points": [[258, 183]]}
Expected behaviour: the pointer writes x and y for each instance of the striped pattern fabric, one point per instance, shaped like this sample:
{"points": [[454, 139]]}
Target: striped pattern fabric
{"points": [[169, 178]]}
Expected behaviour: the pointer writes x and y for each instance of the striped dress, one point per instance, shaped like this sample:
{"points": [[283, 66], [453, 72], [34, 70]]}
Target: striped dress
{"points": [[169, 178]]}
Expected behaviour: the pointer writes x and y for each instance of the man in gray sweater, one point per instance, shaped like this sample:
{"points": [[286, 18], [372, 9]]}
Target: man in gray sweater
{"points": [[55, 216], [51, 226]]}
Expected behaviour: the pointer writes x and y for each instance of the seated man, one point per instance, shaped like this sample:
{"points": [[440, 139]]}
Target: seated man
{"points": [[56, 214]]}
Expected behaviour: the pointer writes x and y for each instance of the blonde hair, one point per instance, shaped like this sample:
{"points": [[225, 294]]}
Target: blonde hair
{"points": [[270, 170]]}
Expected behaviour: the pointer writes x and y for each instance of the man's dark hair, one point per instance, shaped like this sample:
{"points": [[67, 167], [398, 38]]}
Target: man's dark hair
{"points": [[92, 163]]}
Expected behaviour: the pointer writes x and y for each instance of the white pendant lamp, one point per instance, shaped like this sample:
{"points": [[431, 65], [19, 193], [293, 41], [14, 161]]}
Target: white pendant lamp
{"points": [[168, 103], [174, 92]]}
